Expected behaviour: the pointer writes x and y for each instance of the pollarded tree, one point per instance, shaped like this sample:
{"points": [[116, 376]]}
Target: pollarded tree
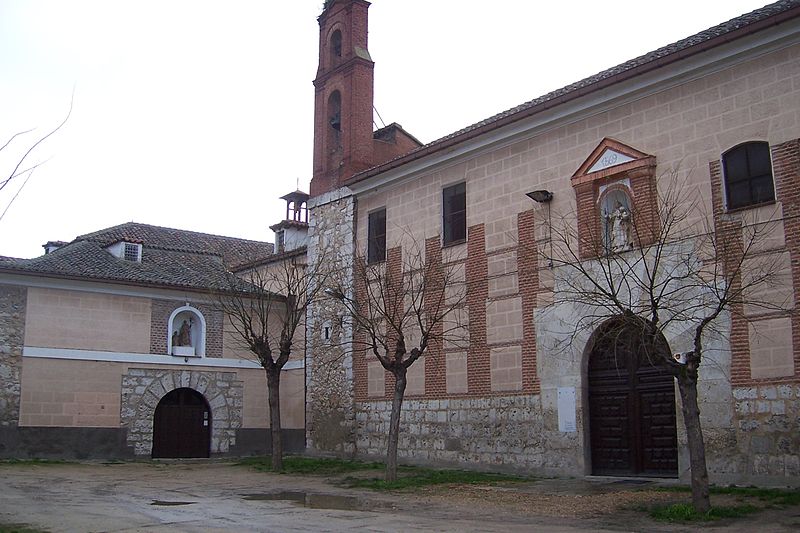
{"points": [[399, 309], [652, 276], [266, 308]]}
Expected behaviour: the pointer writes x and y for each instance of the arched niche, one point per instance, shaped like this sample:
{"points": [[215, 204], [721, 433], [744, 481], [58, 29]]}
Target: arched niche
{"points": [[616, 217], [186, 332]]}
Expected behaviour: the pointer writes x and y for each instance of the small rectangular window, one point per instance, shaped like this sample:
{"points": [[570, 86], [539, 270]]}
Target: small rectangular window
{"points": [[454, 214], [376, 236], [131, 252]]}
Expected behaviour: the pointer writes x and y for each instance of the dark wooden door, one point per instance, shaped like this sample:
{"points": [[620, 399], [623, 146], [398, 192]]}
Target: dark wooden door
{"points": [[631, 413], [182, 425]]}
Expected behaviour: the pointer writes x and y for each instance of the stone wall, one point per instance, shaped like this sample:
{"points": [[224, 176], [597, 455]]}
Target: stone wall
{"points": [[143, 388], [509, 433], [12, 333], [330, 419], [767, 420]]}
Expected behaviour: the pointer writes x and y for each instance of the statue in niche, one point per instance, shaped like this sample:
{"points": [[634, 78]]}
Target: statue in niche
{"points": [[620, 238], [184, 335]]}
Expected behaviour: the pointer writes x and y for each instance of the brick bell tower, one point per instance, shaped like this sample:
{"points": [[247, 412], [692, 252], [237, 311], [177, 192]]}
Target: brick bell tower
{"points": [[343, 138]]}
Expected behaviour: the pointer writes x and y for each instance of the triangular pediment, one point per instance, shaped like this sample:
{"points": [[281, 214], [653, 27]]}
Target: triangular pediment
{"points": [[609, 154]]}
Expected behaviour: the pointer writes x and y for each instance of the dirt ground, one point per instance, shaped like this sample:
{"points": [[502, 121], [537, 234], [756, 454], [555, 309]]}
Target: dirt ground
{"points": [[224, 497]]}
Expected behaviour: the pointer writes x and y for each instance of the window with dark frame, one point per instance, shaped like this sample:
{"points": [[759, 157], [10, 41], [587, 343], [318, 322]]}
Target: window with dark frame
{"points": [[376, 238], [131, 252], [748, 175], [454, 214]]}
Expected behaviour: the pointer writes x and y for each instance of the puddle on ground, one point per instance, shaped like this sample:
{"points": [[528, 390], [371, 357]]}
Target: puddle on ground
{"points": [[318, 501], [168, 503]]}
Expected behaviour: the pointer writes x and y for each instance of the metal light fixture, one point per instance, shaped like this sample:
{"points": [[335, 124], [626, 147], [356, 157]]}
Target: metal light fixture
{"points": [[542, 196], [545, 197]]}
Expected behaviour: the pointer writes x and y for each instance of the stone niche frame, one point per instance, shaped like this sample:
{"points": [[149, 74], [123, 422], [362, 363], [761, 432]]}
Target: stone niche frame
{"points": [[198, 332], [143, 388], [612, 166]]}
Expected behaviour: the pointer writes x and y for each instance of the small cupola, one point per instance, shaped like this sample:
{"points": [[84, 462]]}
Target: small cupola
{"points": [[292, 232]]}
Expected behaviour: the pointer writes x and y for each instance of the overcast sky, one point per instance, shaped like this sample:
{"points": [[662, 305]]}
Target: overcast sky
{"points": [[198, 115]]}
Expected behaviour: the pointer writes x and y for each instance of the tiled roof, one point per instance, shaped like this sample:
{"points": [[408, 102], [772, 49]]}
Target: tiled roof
{"points": [[753, 21], [233, 251], [170, 257]]}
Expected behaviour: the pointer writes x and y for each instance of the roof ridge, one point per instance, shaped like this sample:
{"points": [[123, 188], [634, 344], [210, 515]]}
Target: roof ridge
{"points": [[94, 234], [719, 30]]}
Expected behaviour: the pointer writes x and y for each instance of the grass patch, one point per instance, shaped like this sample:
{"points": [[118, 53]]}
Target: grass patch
{"points": [[23, 462], [310, 465], [19, 528], [685, 512], [412, 477], [781, 497], [409, 476]]}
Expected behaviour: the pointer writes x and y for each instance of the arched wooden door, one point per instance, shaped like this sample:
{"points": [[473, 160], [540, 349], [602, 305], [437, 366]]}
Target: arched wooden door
{"points": [[182, 425], [631, 410]]}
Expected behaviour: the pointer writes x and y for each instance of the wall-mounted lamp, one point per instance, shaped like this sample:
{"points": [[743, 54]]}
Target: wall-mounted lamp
{"points": [[545, 197], [540, 196]]}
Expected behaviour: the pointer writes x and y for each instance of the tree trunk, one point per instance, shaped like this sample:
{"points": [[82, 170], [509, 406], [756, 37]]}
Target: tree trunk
{"points": [[394, 423], [274, 389], [694, 436]]}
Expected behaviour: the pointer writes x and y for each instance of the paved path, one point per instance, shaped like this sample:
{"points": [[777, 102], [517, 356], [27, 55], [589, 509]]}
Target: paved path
{"points": [[211, 497]]}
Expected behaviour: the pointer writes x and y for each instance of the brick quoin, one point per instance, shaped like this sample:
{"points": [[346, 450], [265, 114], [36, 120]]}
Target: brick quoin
{"points": [[730, 230], [528, 274], [360, 374], [786, 167], [479, 379], [786, 164]]}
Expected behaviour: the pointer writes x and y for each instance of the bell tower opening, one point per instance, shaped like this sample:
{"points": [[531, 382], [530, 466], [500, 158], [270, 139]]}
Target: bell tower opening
{"points": [[343, 141], [336, 48]]}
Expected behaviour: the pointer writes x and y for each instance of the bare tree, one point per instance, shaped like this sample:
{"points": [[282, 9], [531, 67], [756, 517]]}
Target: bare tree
{"points": [[399, 310], [20, 169], [266, 306], [680, 271]]}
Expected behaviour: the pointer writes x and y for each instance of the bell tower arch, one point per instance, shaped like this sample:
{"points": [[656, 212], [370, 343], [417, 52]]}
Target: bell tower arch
{"points": [[343, 140]]}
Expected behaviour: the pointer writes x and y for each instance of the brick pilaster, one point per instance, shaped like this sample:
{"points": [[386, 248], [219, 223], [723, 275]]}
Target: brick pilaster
{"points": [[435, 368], [786, 165], [528, 268], [477, 271]]}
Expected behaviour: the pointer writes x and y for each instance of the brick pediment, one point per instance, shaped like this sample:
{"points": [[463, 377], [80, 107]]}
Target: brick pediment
{"points": [[611, 157]]}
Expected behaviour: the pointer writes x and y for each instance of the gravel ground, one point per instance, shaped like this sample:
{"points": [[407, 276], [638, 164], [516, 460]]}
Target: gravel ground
{"points": [[223, 497]]}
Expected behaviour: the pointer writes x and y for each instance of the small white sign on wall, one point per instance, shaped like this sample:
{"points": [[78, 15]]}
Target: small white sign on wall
{"points": [[566, 410]]}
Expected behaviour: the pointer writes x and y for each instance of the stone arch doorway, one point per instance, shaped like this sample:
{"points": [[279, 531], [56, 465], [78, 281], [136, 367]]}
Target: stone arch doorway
{"points": [[182, 425], [632, 424]]}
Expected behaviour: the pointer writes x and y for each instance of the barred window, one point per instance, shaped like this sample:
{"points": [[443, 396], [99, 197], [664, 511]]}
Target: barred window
{"points": [[131, 252]]}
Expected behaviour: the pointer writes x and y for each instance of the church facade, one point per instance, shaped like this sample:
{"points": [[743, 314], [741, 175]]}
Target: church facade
{"points": [[717, 112]]}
